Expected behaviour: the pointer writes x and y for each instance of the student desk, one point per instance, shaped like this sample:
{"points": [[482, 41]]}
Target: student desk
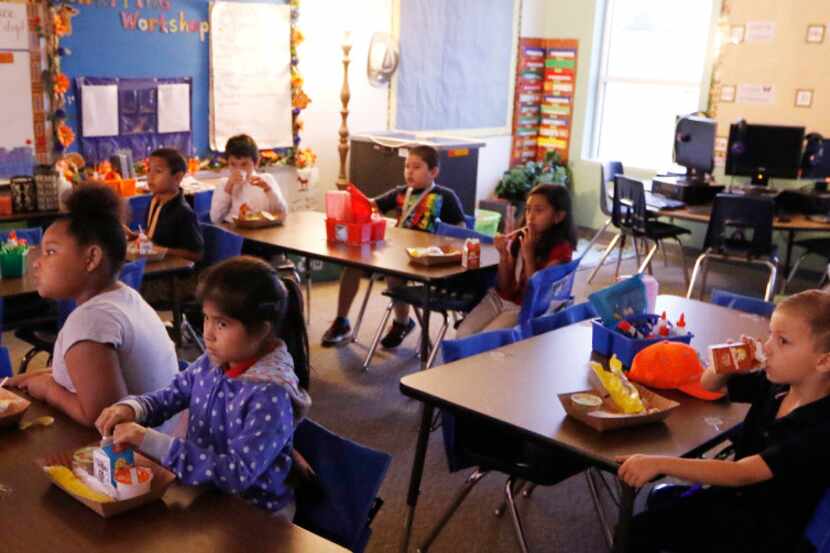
{"points": [[304, 233], [26, 284], [790, 224], [517, 386], [38, 516]]}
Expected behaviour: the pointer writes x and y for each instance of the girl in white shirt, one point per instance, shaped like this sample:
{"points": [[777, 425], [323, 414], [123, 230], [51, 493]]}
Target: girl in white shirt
{"points": [[259, 191]]}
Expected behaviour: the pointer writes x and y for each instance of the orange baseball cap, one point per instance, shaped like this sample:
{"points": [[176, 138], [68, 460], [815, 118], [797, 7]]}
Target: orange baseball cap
{"points": [[671, 365]]}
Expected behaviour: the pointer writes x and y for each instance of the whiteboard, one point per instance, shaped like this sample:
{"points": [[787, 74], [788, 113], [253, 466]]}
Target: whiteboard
{"points": [[250, 73], [16, 128]]}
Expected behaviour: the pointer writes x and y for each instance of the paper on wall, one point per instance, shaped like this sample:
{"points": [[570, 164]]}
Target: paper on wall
{"points": [[756, 94], [173, 108], [16, 128], [760, 31], [99, 106], [14, 30]]}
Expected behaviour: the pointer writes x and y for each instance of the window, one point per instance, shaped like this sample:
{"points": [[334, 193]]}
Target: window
{"points": [[655, 59]]}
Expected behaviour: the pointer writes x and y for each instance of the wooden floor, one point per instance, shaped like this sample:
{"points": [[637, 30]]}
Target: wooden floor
{"points": [[368, 408]]}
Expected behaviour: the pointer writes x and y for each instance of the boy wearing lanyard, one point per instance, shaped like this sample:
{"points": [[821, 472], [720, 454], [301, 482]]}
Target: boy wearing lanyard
{"points": [[418, 205]]}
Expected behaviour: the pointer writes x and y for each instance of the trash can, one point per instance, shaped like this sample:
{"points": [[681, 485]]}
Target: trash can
{"points": [[377, 161], [487, 222]]}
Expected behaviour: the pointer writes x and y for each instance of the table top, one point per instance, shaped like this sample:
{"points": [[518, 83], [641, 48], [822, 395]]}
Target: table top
{"points": [[702, 213], [304, 233], [517, 385], [27, 285], [38, 516]]}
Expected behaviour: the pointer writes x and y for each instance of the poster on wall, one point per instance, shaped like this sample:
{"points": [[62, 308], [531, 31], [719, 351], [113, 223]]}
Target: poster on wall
{"points": [[16, 129], [755, 94], [253, 91], [760, 31], [14, 31]]}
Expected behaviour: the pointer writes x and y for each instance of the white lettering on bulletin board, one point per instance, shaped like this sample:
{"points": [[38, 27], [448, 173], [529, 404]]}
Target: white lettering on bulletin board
{"points": [[14, 31]]}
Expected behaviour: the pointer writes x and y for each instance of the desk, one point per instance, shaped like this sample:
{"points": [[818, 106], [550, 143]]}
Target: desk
{"points": [[27, 285], [38, 516], [794, 223], [537, 369], [304, 233]]}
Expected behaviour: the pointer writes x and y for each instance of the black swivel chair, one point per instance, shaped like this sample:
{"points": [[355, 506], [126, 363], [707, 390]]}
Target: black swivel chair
{"points": [[607, 172], [631, 216], [740, 230]]}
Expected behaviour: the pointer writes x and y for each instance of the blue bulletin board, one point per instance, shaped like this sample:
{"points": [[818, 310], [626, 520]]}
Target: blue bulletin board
{"points": [[164, 39]]}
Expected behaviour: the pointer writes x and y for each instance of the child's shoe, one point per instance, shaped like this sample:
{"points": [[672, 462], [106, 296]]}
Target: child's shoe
{"points": [[397, 334], [338, 333]]}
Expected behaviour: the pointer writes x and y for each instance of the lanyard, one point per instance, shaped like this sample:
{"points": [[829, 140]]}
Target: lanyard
{"points": [[409, 211], [153, 219]]}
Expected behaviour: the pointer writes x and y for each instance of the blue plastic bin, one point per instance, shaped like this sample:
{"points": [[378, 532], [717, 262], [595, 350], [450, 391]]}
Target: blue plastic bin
{"points": [[608, 341]]}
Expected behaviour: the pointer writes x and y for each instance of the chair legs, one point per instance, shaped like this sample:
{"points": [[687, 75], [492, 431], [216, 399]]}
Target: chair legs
{"points": [[698, 262], [517, 522], [605, 254], [372, 278], [462, 494], [682, 259], [647, 261], [619, 257], [376, 339], [703, 261], [598, 233], [590, 475], [771, 282]]}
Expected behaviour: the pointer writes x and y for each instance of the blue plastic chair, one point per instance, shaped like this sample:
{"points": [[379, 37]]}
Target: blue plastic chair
{"points": [[569, 316], [740, 302], [470, 221], [201, 205], [342, 506], [818, 530], [444, 229], [471, 441], [5, 360], [220, 244], [139, 206], [547, 289]]}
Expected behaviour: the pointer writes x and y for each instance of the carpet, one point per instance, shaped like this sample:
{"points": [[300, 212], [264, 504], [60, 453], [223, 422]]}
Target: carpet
{"points": [[593, 256]]}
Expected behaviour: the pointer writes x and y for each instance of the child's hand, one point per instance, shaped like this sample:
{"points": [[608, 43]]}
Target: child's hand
{"points": [[527, 242], [112, 416], [130, 234], [500, 241], [235, 181], [259, 182], [37, 385], [128, 433], [638, 470]]}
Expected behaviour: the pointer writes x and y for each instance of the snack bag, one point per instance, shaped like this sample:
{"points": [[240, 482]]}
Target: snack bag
{"points": [[622, 392]]}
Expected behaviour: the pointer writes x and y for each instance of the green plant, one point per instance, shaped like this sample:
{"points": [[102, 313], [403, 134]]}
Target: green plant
{"points": [[517, 181]]}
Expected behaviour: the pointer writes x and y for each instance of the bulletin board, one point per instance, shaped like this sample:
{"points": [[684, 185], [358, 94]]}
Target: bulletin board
{"points": [[457, 61], [22, 122], [771, 68], [143, 39]]}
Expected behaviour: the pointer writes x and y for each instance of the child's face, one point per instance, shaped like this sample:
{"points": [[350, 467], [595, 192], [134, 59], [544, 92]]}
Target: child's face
{"points": [[242, 165], [540, 215], [226, 339], [159, 178], [417, 173], [61, 268], [790, 349]]}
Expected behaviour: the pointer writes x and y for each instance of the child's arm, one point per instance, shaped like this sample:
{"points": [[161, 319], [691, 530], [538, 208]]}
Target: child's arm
{"points": [[638, 470], [713, 381], [276, 201], [190, 255], [156, 407], [220, 205], [254, 442], [505, 279]]}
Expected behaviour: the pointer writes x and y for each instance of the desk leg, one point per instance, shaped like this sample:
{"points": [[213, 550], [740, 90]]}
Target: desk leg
{"points": [[177, 310], [624, 522], [417, 473], [425, 341], [790, 240]]}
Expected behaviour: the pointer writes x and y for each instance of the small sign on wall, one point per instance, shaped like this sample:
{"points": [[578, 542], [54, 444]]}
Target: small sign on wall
{"points": [[14, 31], [815, 34], [760, 31], [756, 94], [803, 98]]}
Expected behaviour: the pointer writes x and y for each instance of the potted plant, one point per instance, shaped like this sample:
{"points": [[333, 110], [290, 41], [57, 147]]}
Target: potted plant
{"points": [[517, 181]]}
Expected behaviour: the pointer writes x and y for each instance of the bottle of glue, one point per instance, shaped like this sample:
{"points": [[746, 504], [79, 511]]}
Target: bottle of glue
{"points": [[663, 326], [680, 326]]}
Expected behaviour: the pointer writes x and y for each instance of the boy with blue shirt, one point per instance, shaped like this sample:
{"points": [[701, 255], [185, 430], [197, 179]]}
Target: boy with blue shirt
{"points": [[763, 499]]}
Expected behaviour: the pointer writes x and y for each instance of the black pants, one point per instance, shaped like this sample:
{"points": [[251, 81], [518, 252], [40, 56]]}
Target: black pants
{"points": [[713, 520]]}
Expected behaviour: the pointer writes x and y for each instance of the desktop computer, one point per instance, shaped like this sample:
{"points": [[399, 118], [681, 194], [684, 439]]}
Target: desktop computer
{"points": [[764, 151], [694, 146]]}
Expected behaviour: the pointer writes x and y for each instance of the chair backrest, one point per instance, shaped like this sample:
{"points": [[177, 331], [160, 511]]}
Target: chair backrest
{"points": [[220, 244], [629, 207], [741, 223], [5, 362], [458, 232], [569, 316], [32, 235], [818, 530], [547, 290], [132, 274], [201, 204], [453, 350], [470, 221], [740, 302], [607, 173], [139, 206], [350, 476]]}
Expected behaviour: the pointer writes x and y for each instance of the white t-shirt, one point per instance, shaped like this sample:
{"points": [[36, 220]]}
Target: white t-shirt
{"points": [[224, 207], [123, 319]]}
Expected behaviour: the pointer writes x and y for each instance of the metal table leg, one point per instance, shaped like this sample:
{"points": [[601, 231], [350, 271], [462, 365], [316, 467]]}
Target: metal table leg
{"points": [[417, 472], [624, 522]]}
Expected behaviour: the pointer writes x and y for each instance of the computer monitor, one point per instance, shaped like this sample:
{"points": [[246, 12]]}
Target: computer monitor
{"points": [[694, 146], [764, 151]]}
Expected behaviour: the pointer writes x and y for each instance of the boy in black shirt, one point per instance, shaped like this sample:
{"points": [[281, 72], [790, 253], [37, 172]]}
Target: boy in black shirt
{"points": [[418, 205], [763, 500]]}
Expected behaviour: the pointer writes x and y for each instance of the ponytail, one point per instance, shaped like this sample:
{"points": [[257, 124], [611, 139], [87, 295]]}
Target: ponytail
{"points": [[293, 332]]}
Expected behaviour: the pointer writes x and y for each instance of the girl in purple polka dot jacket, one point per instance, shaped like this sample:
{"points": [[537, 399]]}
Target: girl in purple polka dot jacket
{"points": [[245, 395]]}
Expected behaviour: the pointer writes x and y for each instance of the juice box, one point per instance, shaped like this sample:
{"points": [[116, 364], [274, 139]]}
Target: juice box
{"points": [[106, 462], [736, 357]]}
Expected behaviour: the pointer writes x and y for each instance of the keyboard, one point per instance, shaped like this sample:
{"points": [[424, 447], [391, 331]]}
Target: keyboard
{"points": [[658, 202]]}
